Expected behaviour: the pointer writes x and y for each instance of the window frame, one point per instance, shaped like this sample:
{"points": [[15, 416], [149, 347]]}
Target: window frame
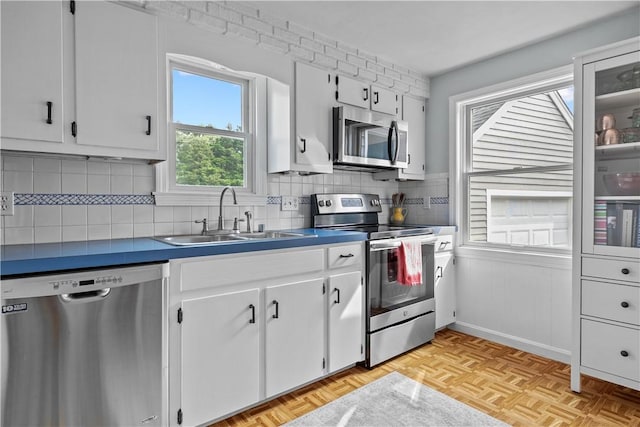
{"points": [[461, 135], [254, 131]]}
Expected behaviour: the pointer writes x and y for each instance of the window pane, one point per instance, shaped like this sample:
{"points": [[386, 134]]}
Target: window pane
{"points": [[210, 160], [525, 132], [524, 209], [207, 102]]}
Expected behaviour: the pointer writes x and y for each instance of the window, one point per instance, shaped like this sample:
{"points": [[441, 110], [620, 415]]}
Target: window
{"points": [[515, 146], [215, 134]]}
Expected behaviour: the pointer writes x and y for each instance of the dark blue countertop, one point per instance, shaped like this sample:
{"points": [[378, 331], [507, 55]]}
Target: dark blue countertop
{"points": [[49, 257]]}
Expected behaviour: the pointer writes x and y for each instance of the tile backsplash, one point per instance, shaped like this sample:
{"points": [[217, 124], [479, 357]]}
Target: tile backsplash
{"points": [[60, 199]]}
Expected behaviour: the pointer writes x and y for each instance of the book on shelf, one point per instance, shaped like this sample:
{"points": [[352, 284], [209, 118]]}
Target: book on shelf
{"points": [[617, 223]]}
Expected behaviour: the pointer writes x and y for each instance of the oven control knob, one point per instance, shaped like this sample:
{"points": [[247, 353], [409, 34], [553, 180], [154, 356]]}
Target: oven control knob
{"points": [[328, 203], [321, 203], [373, 202]]}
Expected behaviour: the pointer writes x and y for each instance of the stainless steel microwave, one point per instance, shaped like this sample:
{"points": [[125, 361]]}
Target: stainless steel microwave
{"points": [[363, 138]]}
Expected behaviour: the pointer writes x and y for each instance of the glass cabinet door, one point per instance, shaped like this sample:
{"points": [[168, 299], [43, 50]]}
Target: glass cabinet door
{"points": [[612, 167]]}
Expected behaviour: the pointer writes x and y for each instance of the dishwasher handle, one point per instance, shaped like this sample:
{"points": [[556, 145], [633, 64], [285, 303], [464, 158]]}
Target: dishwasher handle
{"points": [[82, 297]]}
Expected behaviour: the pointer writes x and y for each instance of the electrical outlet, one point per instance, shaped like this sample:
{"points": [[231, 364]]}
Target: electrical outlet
{"points": [[6, 203], [289, 203], [426, 203]]}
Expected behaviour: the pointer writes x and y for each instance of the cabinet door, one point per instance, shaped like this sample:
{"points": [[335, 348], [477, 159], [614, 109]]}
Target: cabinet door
{"points": [[220, 355], [314, 100], [32, 71], [116, 78], [384, 100], [353, 92], [445, 292], [345, 320], [294, 334], [413, 111]]}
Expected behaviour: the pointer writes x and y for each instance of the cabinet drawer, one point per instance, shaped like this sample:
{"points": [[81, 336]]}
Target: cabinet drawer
{"points": [[628, 271], [603, 347], [344, 256], [609, 301], [444, 243]]}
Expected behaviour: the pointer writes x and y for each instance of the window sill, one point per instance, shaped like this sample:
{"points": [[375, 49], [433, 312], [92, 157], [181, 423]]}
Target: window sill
{"points": [[209, 199], [516, 256]]}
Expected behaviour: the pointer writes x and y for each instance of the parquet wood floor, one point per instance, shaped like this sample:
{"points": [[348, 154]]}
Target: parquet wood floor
{"points": [[516, 387]]}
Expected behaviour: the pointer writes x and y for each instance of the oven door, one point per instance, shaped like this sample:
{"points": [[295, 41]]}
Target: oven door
{"points": [[365, 138], [389, 301]]}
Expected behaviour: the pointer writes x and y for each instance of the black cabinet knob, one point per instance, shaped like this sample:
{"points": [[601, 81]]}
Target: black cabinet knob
{"points": [[624, 304], [624, 353], [625, 271]]}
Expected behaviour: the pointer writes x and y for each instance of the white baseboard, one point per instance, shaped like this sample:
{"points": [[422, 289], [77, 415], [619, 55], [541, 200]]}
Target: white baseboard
{"points": [[529, 346]]}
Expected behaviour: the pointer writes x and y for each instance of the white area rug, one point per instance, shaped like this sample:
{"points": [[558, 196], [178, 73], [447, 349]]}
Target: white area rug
{"points": [[395, 400]]}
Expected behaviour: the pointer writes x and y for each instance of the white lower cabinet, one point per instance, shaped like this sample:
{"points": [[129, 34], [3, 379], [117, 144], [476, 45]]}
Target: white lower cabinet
{"points": [[444, 282], [294, 334], [345, 320], [247, 327], [217, 379]]}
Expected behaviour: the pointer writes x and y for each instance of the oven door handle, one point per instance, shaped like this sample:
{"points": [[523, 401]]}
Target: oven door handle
{"points": [[374, 247]]}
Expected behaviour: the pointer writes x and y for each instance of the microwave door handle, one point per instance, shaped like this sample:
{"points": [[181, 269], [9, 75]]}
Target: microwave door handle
{"points": [[393, 131]]}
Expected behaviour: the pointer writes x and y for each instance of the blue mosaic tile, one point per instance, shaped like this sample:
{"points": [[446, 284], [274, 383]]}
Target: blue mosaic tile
{"points": [[439, 200], [25, 199], [274, 200]]}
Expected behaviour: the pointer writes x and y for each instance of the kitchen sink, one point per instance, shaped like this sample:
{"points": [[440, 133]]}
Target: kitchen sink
{"points": [[272, 235], [207, 239], [197, 239]]}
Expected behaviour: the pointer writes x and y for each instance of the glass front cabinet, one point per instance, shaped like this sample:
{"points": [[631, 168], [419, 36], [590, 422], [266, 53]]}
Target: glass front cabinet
{"points": [[606, 247]]}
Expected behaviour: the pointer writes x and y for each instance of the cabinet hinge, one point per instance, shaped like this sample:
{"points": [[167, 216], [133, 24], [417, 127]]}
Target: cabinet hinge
{"points": [[329, 78], [396, 101], [179, 315], [336, 82], [423, 108], [329, 156], [453, 261], [72, 7], [361, 349], [324, 288], [337, 95], [74, 129], [361, 280], [454, 313], [179, 416], [396, 110], [422, 167], [324, 363]]}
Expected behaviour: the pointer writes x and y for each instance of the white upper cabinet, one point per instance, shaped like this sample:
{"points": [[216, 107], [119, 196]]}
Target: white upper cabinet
{"points": [[355, 92], [105, 105], [32, 99], [116, 77], [384, 100], [413, 112], [313, 102]]}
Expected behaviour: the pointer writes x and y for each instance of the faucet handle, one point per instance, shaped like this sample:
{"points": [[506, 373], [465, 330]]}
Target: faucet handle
{"points": [[235, 224], [205, 225]]}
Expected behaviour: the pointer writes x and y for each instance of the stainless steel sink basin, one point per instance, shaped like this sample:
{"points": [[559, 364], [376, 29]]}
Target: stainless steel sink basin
{"points": [[272, 235], [197, 239], [227, 236]]}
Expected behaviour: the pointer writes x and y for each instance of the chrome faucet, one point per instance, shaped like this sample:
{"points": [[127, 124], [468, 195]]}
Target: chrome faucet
{"points": [[235, 202]]}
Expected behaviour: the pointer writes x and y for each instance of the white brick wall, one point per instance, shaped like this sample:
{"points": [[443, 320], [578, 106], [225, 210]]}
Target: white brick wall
{"points": [[276, 34]]}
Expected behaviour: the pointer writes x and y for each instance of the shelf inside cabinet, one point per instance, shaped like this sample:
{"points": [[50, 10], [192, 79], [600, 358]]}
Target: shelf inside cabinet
{"points": [[618, 150], [622, 99]]}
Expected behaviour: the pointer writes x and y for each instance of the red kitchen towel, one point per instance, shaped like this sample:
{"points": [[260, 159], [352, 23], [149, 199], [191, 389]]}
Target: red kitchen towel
{"points": [[410, 263]]}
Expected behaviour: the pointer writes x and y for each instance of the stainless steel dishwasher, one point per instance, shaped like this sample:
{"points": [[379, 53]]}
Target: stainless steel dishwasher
{"points": [[84, 348]]}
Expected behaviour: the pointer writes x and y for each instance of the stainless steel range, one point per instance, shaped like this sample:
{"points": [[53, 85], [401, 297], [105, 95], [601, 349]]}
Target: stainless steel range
{"points": [[399, 317]]}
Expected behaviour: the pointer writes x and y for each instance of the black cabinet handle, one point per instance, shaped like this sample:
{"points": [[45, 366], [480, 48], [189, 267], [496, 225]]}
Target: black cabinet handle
{"points": [[375, 97], [337, 300], [148, 132], [409, 157], [438, 272], [624, 353], [276, 315], [304, 145], [347, 255], [624, 304], [74, 129], [366, 94], [625, 271], [253, 313], [49, 111]]}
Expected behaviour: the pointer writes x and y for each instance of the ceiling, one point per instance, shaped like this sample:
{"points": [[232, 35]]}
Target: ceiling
{"points": [[432, 37]]}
